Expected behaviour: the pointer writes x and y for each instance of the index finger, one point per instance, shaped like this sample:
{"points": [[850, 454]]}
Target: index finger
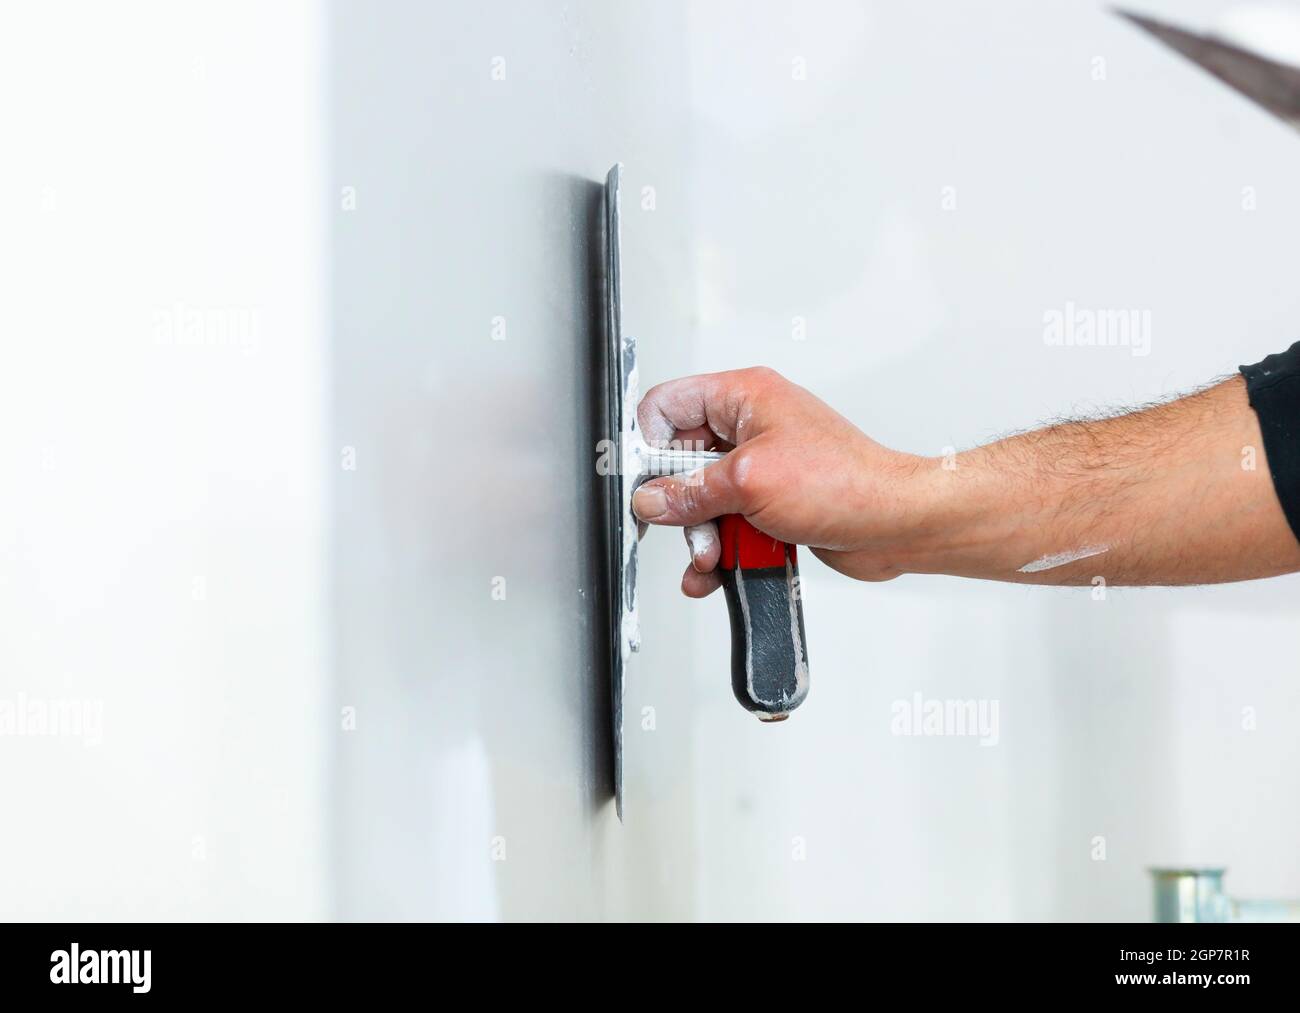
{"points": [[725, 404]]}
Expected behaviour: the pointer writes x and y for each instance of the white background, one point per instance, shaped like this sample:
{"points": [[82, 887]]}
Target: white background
{"points": [[162, 508], [180, 542]]}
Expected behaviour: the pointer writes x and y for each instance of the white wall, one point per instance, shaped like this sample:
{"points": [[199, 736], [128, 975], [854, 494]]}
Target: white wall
{"points": [[179, 158], [161, 500], [823, 199], [482, 721]]}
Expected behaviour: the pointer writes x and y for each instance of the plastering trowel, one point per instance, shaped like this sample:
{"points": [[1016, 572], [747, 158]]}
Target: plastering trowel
{"points": [[760, 575]]}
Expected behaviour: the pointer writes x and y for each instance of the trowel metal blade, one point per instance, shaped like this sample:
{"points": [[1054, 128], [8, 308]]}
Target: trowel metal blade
{"points": [[620, 385], [1273, 85]]}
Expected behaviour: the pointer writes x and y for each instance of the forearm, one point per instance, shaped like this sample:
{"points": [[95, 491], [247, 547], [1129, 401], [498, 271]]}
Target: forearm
{"points": [[1175, 494], [1179, 493]]}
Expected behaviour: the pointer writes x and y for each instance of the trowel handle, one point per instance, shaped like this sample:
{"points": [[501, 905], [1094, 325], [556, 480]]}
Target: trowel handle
{"points": [[769, 662]]}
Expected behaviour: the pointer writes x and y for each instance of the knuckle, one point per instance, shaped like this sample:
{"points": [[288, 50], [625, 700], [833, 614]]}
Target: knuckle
{"points": [[650, 415], [654, 395], [745, 474], [762, 374]]}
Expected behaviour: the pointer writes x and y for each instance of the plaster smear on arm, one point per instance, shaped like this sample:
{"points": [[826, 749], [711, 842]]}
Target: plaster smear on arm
{"points": [[1055, 559]]}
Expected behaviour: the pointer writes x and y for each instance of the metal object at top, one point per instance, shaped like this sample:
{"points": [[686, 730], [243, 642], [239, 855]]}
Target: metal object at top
{"points": [[1270, 83]]}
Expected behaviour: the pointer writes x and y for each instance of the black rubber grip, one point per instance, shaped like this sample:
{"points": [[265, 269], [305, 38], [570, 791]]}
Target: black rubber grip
{"points": [[769, 657]]}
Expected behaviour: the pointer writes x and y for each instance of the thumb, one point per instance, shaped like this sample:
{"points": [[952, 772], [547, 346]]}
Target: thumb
{"points": [[693, 498]]}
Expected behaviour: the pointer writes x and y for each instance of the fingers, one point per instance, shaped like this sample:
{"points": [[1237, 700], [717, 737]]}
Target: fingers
{"points": [[701, 578], [727, 405], [699, 585], [699, 438], [705, 545], [715, 410], [698, 496]]}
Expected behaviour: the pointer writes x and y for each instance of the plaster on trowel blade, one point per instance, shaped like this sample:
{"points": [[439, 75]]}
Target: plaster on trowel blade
{"points": [[620, 388]]}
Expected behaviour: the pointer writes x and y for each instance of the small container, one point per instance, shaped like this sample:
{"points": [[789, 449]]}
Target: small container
{"points": [[1189, 895]]}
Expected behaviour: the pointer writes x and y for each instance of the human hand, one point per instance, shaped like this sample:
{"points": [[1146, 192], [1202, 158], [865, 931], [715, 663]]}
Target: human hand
{"points": [[797, 470]]}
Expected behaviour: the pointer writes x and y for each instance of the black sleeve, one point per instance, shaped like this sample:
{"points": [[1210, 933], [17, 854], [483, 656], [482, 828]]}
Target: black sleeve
{"points": [[1274, 389]]}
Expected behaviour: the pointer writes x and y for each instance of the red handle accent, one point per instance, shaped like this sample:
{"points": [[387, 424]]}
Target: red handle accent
{"points": [[744, 543]]}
